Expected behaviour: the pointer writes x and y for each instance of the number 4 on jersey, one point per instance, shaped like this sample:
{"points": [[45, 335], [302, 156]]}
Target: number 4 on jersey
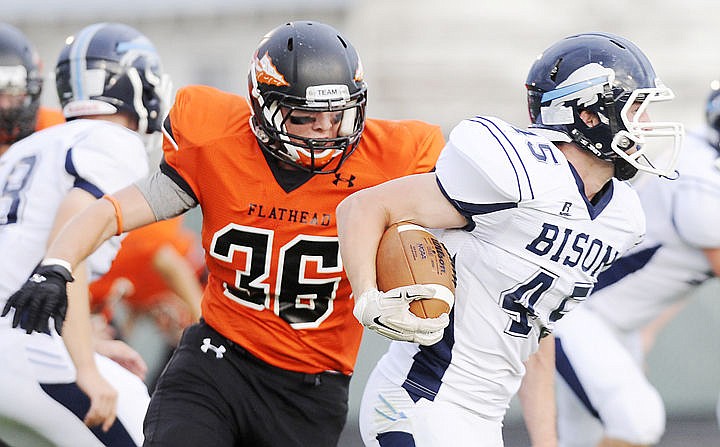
{"points": [[521, 301]]}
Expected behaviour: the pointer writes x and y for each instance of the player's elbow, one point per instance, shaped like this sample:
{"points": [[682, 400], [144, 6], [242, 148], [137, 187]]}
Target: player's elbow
{"points": [[350, 206], [362, 211]]}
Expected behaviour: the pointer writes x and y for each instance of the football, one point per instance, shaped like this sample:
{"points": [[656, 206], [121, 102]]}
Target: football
{"points": [[409, 254]]}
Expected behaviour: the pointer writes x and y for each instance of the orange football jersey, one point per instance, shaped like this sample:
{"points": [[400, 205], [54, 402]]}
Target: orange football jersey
{"points": [[276, 284], [134, 262], [48, 117]]}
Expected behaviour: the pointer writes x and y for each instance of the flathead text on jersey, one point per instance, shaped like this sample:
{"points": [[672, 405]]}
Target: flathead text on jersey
{"points": [[289, 215]]}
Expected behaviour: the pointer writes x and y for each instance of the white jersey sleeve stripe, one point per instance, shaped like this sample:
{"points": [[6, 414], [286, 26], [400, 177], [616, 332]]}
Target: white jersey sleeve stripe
{"points": [[168, 132], [523, 178]]}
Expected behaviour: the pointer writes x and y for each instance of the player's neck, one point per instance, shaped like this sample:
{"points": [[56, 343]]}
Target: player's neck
{"points": [[594, 172], [118, 118], [288, 179], [4, 148]]}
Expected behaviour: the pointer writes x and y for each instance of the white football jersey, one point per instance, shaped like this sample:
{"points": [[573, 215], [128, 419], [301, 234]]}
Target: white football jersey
{"points": [[532, 252], [683, 217], [37, 172]]}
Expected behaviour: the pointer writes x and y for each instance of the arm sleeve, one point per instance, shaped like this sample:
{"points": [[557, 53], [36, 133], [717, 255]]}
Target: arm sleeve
{"points": [[166, 198]]}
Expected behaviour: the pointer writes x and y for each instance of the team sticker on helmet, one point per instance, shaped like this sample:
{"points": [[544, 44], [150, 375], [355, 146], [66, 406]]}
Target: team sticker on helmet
{"points": [[324, 93], [267, 73]]}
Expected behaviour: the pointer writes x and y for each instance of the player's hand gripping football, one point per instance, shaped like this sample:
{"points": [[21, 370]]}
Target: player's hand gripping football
{"points": [[43, 295], [388, 314]]}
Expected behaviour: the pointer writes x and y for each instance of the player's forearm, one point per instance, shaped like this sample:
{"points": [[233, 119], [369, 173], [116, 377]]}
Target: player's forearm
{"points": [[84, 233], [77, 331], [77, 336], [537, 395], [360, 226], [99, 222]]}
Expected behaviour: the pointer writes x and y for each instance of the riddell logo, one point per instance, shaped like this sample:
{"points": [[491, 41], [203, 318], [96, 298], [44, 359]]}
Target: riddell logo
{"points": [[339, 179], [267, 73], [566, 209]]}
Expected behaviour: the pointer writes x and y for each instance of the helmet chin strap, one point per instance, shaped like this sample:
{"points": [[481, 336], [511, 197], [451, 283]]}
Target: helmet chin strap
{"points": [[609, 102], [623, 169]]}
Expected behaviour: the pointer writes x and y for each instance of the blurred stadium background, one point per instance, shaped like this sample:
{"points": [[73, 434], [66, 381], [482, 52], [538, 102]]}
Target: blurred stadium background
{"points": [[442, 62]]}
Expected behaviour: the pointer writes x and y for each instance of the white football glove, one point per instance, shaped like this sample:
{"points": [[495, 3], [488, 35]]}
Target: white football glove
{"points": [[388, 314]]}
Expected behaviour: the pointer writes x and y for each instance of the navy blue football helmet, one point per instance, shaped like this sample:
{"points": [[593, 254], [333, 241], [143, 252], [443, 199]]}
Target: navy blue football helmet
{"points": [[110, 68], [20, 79], [306, 66], [712, 113], [611, 77]]}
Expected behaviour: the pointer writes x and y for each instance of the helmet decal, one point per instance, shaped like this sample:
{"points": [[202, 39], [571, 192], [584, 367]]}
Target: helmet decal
{"points": [[267, 73], [359, 72], [591, 76], [584, 86]]}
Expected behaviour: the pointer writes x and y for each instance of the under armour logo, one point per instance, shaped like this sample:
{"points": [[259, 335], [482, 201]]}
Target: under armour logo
{"points": [[349, 180], [219, 350], [37, 278], [566, 209]]}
